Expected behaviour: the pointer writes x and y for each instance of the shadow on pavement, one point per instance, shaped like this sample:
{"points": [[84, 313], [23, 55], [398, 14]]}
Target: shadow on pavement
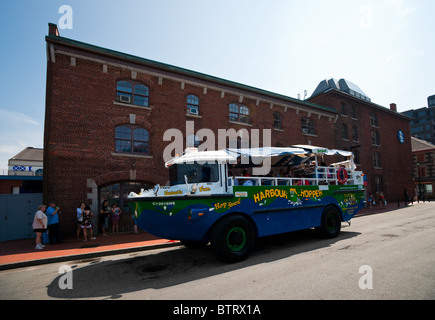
{"points": [[112, 279]]}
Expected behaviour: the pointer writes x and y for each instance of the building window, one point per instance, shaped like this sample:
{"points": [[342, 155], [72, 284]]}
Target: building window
{"points": [[379, 184], [343, 109], [308, 126], [193, 141], [192, 104], [239, 113], [131, 139], [118, 193], [373, 120], [376, 139], [136, 94], [277, 120], [355, 133], [354, 113], [344, 131], [377, 160], [356, 156]]}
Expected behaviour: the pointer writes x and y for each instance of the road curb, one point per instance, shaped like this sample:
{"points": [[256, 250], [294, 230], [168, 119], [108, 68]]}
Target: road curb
{"points": [[88, 255]]}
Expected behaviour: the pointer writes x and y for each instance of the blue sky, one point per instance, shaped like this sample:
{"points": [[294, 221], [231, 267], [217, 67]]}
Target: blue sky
{"points": [[386, 47]]}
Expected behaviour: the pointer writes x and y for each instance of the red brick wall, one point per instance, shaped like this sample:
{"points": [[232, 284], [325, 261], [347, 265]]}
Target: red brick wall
{"points": [[396, 158], [424, 173], [81, 118]]}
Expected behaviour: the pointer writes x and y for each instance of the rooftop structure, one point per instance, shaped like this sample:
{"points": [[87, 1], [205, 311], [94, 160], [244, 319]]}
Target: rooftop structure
{"points": [[342, 85], [28, 162]]}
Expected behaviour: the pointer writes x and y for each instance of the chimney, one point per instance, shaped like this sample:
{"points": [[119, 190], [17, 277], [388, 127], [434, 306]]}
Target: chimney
{"points": [[393, 107], [53, 30]]}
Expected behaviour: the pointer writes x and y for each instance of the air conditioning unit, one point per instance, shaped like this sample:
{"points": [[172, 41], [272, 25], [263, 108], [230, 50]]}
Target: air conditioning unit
{"points": [[123, 98], [193, 111]]}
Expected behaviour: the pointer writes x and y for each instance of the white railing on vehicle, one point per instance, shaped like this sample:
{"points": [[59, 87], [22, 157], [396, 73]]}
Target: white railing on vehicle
{"points": [[322, 176]]}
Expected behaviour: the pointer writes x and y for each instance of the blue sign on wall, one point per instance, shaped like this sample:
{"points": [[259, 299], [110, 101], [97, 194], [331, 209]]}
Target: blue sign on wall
{"points": [[401, 136]]}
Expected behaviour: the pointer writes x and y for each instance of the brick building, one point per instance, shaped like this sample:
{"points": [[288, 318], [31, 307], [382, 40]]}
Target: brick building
{"points": [[378, 136], [107, 113], [423, 154]]}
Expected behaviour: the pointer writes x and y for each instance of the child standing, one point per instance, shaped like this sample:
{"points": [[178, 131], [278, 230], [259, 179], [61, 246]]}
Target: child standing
{"points": [[116, 211]]}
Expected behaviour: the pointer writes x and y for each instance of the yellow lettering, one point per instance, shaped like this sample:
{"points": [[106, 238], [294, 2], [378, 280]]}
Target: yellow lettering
{"points": [[262, 195], [171, 193], [256, 197], [311, 193]]}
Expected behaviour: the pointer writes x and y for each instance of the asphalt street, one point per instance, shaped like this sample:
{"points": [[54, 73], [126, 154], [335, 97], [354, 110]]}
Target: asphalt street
{"points": [[381, 256]]}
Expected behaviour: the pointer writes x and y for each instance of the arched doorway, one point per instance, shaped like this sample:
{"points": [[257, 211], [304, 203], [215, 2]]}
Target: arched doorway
{"points": [[118, 193]]}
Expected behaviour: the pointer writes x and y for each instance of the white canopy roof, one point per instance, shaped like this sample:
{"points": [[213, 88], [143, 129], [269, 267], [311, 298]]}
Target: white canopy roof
{"points": [[202, 156], [230, 155], [266, 152], [326, 151]]}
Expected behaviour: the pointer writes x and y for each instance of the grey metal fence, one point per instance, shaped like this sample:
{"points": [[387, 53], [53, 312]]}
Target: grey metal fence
{"points": [[16, 215]]}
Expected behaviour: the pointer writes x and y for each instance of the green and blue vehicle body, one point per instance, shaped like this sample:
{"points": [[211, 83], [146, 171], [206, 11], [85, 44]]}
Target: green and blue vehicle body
{"points": [[195, 202]]}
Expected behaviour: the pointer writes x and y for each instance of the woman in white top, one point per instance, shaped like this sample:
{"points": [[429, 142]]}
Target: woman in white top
{"points": [[40, 225], [80, 212]]}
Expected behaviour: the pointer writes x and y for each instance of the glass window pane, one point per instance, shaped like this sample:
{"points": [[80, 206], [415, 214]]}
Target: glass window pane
{"points": [[140, 134], [244, 110], [141, 90], [140, 147], [192, 100], [234, 117], [110, 193], [123, 146], [234, 108], [124, 86], [193, 140], [123, 133], [141, 101]]}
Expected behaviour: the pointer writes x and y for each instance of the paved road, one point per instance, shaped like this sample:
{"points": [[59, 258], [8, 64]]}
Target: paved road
{"points": [[392, 253]]}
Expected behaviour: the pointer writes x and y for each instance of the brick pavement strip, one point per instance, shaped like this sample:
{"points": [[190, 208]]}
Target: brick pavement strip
{"points": [[21, 253]]}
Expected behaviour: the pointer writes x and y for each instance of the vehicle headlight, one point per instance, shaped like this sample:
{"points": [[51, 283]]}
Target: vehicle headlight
{"points": [[194, 188]]}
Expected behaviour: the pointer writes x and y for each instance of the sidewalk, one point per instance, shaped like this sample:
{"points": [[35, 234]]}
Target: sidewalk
{"points": [[22, 253]]}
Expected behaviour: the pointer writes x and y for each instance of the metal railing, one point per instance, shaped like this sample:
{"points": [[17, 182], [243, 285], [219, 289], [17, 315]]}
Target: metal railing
{"points": [[321, 176]]}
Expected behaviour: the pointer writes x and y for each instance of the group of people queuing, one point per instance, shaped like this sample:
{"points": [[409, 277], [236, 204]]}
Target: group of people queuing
{"points": [[46, 220], [111, 213], [85, 215], [84, 222], [371, 201]]}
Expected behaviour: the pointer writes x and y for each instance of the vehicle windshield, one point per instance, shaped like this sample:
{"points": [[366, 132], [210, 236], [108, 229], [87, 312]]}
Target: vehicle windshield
{"points": [[195, 173]]}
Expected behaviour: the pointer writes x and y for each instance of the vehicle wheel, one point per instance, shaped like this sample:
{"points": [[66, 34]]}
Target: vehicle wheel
{"points": [[233, 238], [331, 223]]}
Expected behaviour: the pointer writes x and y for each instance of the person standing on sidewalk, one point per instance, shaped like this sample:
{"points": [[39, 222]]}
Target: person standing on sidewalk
{"points": [[80, 212], [105, 214], [382, 200], [116, 211], [53, 223], [40, 225], [87, 223]]}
